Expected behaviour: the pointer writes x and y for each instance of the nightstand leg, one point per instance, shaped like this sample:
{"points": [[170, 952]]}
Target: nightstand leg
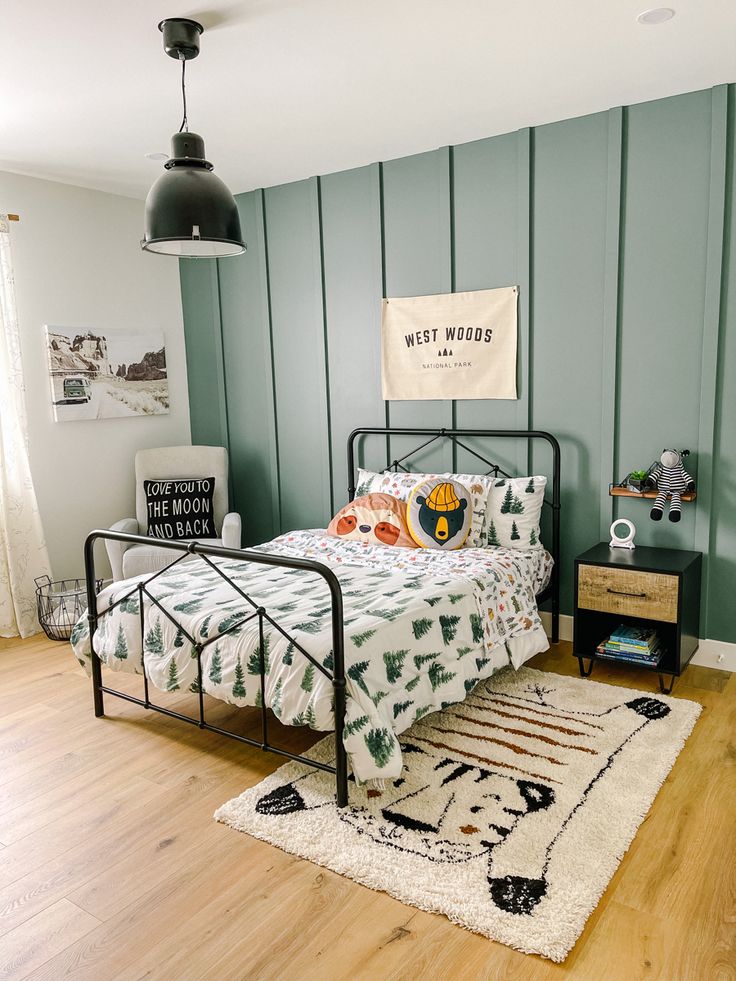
{"points": [[666, 691], [583, 672]]}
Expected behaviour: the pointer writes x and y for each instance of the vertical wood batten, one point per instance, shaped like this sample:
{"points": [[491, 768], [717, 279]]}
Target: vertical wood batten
{"points": [[379, 268], [202, 329], [319, 253], [721, 612], [453, 286], [610, 319], [264, 286], [523, 263], [220, 359], [219, 351], [711, 331], [445, 204], [444, 207]]}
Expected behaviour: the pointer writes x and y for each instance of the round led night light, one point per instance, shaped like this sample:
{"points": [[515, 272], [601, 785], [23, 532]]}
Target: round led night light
{"points": [[626, 540]]}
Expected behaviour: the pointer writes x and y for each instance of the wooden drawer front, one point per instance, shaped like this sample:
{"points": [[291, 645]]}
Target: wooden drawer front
{"points": [[635, 594]]}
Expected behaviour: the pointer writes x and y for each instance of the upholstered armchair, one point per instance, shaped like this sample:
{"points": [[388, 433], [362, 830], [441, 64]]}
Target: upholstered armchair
{"points": [[170, 462]]}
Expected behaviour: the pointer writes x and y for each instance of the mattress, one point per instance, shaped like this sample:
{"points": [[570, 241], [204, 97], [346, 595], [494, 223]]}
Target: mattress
{"points": [[422, 627]]}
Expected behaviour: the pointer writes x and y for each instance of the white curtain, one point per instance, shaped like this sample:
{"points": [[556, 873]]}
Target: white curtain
{"points": [[23, 553]]}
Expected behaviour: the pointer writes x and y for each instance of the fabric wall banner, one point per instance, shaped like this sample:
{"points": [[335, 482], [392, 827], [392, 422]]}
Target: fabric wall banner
{"points": [[450, 346]]}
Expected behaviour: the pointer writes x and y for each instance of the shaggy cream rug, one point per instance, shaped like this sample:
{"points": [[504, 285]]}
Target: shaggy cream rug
{"points": [[512, 813]]}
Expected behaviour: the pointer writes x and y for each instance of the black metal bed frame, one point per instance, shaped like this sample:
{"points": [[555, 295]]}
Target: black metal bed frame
{"points": [[337, 676]]}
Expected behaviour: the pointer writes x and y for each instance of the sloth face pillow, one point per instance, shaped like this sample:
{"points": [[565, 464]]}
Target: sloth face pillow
{"points": [[376, 519], [439, 514]]}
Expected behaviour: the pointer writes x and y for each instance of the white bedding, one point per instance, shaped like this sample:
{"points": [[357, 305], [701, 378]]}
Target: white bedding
{"points": [[422, 627]]}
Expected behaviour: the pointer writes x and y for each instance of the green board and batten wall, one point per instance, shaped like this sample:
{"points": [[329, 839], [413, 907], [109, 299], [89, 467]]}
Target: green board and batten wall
{"points": [[617, 227]]}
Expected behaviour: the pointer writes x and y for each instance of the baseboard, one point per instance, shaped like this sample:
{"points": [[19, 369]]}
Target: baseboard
{"points": [[710, 654], [716, 654], [565, 624]]}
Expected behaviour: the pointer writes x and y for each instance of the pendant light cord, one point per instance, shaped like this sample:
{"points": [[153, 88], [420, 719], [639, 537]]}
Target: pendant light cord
{"points": [[184, 121]]}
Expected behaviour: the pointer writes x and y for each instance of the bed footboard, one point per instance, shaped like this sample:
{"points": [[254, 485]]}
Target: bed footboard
{"points": [[206, 553]]}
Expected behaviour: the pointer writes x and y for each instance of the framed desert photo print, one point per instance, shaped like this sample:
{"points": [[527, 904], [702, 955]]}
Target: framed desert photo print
{"points": [[108, 374]]}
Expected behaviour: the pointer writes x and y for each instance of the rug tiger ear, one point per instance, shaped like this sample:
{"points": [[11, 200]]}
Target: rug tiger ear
{"points": [[281, 800], [517, 893], [649, 708]]}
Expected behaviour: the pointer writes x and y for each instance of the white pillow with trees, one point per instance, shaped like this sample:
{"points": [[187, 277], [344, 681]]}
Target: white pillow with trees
{"points": [[514, 512]]}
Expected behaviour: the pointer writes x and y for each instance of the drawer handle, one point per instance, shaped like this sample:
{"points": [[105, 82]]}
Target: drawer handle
{"points": [[621, 592]]}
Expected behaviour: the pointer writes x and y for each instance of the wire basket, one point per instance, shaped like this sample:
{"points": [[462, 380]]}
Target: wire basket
{"points": [[60, 604]]}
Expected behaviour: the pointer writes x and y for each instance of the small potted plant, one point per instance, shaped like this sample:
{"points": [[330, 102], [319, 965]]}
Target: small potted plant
{"points": [[639, 481]]}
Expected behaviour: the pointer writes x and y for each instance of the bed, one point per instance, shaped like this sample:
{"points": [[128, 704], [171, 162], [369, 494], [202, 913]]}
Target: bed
{"points": [[333, 634]]}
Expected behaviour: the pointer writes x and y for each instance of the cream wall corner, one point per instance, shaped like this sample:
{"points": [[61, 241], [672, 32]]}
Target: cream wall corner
{"points": [[78, 264]]}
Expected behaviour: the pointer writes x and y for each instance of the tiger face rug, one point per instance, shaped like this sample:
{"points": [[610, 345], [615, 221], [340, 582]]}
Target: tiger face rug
{"points": [[512, 812]]}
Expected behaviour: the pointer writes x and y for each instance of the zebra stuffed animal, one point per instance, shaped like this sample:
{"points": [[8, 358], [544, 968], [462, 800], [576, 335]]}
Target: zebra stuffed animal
{"points": [[671, 479]]}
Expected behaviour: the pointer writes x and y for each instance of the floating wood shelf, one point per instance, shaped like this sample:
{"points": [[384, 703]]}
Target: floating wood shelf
{"points": [[650, 495]]}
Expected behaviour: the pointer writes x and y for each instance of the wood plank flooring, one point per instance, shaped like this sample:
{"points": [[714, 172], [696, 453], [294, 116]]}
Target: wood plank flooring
{"points": [[111, 866]]}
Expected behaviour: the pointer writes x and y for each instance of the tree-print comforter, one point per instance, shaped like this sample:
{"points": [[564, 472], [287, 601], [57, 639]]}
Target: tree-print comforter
{"points": [[422, 627]]}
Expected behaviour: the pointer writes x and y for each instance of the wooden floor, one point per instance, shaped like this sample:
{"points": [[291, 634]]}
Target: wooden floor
{"points": [[112, 867]]}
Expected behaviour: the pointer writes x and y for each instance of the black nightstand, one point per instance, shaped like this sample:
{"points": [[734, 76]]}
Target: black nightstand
{"points": [[658, 587]]}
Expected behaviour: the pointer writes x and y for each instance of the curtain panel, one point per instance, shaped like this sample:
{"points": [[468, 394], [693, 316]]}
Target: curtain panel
{"points": [[23, 554]]}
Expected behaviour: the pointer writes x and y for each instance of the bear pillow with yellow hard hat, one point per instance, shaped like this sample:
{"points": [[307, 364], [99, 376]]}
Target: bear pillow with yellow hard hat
{"points": [[401, 483], [439, 513], [374, 519]]}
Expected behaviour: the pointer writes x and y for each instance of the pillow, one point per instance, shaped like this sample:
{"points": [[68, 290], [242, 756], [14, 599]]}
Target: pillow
{"points": [[180, 507], [514, 511], [375, 519], [439, 513], [401, 485]]}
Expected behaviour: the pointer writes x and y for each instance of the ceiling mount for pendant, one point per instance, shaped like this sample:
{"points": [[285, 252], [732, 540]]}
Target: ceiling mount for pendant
{"points": [[189, 211], [181, 37]]}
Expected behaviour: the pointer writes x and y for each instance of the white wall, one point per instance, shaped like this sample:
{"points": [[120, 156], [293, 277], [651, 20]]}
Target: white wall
{"points": [[78, 264]]}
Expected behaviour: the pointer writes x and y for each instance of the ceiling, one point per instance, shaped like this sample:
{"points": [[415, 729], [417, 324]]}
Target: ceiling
{"points": [[284, 89]]}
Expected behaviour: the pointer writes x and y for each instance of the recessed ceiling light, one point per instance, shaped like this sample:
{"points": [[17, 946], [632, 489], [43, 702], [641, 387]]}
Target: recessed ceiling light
{"points": [[657, 15], [156, 156]]}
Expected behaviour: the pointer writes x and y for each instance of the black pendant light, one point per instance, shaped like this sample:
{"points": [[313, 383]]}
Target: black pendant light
{"points": [[189, 212]]}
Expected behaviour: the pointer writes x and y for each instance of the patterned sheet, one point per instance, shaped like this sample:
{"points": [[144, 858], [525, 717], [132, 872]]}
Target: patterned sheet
{"points": [[422, 627]]}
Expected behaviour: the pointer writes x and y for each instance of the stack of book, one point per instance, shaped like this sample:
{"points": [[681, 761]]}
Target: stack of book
{"points": [[640, 645]]}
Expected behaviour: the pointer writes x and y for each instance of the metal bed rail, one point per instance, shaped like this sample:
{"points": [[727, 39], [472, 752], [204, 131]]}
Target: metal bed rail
{"points": [[207, 553]]}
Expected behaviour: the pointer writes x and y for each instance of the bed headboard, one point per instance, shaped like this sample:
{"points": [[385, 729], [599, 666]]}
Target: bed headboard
{"points": [[457, 437]]}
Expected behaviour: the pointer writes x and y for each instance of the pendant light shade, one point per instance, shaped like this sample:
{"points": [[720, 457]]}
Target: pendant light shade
{"points": [[189, 211]]}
